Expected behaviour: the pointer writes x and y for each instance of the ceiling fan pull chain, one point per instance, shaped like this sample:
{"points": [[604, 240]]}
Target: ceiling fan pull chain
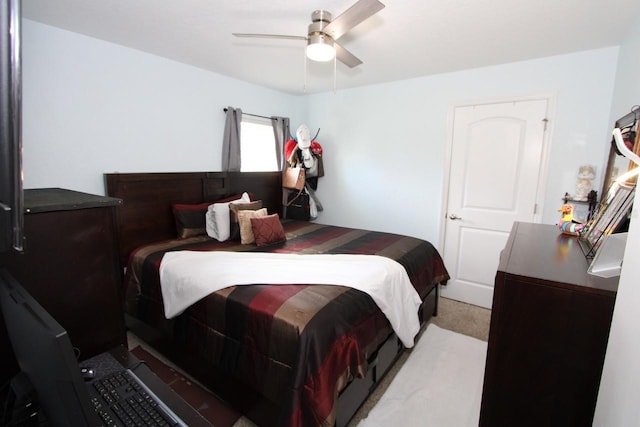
{"points": [[335, 78], [304, 87]]}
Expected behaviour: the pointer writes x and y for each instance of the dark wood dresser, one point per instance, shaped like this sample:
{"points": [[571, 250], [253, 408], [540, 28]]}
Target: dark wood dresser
{"points": [[70, 264], [549, 329]]}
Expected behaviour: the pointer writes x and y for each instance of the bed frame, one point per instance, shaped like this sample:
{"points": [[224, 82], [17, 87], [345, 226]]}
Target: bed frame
{"points": [[145, 216]]}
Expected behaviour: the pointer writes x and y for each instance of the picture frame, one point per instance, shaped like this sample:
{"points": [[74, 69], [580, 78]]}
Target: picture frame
{"points": [[610, 215]]}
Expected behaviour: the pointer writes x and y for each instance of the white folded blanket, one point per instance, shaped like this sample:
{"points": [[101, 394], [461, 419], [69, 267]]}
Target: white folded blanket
{"points": [[188, 276]]}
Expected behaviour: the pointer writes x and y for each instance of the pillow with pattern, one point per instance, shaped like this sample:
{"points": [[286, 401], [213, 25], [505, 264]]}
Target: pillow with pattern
{"points": [[267, 230]]}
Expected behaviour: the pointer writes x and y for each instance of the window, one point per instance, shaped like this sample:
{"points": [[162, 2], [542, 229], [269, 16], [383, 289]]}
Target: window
{"points": [[257, 145]]}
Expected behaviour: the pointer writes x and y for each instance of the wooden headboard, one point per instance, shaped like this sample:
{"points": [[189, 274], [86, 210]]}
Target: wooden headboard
{"points": [[145, 215]]}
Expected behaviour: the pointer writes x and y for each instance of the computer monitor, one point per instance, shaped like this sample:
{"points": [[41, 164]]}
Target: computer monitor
{"points": [[45, 355]]}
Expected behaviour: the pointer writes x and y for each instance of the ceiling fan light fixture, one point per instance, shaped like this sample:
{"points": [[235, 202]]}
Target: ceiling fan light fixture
{"points": [[320, 48], [323, 31]]}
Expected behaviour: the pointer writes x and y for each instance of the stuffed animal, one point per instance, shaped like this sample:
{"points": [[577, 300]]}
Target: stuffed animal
{"points": [[567, 224]]}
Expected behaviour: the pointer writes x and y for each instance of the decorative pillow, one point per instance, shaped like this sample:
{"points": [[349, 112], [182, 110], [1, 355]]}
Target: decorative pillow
{"points": [[244, 220], [267, 230], [217, 220], [190, 218], [233, 216]]}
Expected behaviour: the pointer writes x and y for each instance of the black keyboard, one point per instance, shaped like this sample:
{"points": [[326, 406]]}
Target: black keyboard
{"points": [[121, 399]]}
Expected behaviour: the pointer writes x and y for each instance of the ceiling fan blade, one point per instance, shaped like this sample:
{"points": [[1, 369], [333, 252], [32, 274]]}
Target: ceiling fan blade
{"points": [[346, 57], [270, 36], [357, 13]]}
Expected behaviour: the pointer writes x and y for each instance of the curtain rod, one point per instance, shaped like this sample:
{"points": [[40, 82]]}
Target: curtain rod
{"points": [[271, 118], [252, 115]]}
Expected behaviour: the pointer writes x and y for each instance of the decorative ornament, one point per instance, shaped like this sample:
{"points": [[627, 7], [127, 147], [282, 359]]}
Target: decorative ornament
{"points": [[567, 224]]}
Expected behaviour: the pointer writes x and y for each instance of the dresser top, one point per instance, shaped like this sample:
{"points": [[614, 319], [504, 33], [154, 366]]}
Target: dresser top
{"points": [[542, 253], [59, 199]]}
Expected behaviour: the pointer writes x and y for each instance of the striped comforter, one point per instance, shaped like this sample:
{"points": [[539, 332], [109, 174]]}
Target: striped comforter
{"points": [[295, 345]]}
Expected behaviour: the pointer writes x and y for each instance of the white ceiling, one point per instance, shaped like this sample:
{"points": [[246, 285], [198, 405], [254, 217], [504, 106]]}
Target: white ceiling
{"points": [[406, 39]]}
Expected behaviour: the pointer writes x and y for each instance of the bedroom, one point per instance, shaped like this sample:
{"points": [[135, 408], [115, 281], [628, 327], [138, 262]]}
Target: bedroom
{"points": [[92, 107]]}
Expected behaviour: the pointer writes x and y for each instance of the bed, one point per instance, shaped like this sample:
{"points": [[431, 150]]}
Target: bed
{"points": [[283, 355]]}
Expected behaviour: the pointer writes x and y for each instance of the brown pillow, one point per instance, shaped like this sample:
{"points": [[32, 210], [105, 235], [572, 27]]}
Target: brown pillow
{"points": [[190, 218], [244, 219], [233, 216], [267, 230]]}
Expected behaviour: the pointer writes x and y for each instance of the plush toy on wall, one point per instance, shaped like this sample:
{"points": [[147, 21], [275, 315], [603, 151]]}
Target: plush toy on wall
{"points": [[567, 224]]}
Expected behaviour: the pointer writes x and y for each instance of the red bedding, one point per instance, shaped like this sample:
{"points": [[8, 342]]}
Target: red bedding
{"points": [[296, 345]]}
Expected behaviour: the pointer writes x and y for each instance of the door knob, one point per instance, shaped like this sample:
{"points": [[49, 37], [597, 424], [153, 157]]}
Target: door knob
{"points": [[454, 217]]}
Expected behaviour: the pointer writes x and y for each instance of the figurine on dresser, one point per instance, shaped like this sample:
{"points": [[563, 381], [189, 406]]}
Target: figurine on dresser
{"points": [[568, 224], [584, 184]]}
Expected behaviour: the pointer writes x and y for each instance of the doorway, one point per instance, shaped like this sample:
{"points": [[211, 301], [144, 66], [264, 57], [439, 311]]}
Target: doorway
{"points": [[497, 154]]}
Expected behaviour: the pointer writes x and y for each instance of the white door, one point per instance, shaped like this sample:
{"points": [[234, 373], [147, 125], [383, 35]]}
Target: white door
{"points": [[494, 175]]}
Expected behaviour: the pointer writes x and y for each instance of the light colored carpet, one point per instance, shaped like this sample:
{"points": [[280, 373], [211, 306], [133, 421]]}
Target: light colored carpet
{"points": [[440, 384], [463, 318]]}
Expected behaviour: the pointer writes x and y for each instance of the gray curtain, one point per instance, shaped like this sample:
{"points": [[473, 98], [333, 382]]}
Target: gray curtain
{"points": [[281, 133], [231, 141]]}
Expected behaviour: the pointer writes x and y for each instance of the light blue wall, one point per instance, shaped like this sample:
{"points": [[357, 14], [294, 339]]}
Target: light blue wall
{"points": [[92, 107], [385, 144]]}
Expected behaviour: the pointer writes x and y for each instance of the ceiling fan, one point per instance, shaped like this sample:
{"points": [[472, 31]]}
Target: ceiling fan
{"points": [[323, 32]]}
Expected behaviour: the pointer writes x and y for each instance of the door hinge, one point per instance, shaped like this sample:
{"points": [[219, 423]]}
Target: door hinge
{"points": [[535, 208], [546, 122]]}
